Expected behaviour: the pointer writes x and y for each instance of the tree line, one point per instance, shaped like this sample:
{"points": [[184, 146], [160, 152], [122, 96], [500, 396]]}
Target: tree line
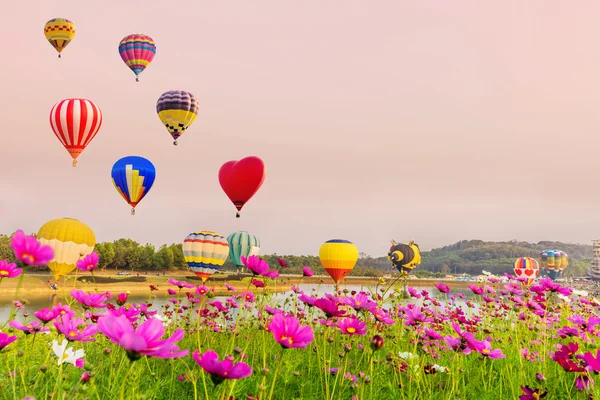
{"points": [[467, 256]]}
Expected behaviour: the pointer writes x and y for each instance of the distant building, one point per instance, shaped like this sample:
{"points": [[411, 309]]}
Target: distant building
{"points": [[594, 270]]}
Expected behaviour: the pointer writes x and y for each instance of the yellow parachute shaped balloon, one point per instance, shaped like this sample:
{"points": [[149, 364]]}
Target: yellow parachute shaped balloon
{"points": [[338, 257], [70, 239], [59, 32]]}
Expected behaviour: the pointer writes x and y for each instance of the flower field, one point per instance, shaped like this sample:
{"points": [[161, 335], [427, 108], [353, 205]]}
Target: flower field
{"points": [[394, 342]]}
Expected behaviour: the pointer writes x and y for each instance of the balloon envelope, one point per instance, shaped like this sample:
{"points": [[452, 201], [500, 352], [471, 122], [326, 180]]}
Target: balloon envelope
{"points": [[338, 257], [137, 52], [528, 268], [404, 257], [241, 179], [242, 244], [59, 32], [70, 239], [133, 177], [75, 123], [177, 109], [205, 252]]}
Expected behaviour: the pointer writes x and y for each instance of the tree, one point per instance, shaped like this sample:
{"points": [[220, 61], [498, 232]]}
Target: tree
{"points": [[445, 268]]}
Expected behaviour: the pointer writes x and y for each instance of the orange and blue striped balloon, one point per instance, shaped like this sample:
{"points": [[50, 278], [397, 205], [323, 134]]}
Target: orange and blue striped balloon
{"points": [[133, 177], [204, 252], [338, 257], [137, 52]]}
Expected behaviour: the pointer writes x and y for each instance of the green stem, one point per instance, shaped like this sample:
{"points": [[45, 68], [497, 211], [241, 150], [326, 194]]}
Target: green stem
{"points": [[276, 373]]}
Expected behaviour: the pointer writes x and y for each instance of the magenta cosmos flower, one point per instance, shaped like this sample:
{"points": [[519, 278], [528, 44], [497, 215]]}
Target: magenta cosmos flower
{"points": [[5, 340], [143, 341], [181, 284], [29, 251], [88, 263], [221, 370], [307, 272], [288, 332], [90, 300], [259, 267], [75, 329], [9, 270], [46, 315], [352, 326]]}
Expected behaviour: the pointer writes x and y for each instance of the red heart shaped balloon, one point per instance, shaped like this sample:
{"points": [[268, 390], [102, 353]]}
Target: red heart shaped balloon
{"points": [[518, 271], [529, 272], [241, 179]]}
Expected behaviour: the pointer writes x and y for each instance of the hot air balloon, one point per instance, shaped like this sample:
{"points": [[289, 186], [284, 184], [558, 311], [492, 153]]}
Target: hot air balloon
{"points": [[205, 252], [528, 268], [338, 257], [241, 179], [242, 244], [59, 32], [133, 177], [177, 110], [404, 257], [75, 123], [137, 52], [70, 239], [554, 262]]}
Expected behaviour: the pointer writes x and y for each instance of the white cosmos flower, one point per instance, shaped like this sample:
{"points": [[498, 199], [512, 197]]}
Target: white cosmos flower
{"points": [[65, 354], [580, 293], [566, 299]]}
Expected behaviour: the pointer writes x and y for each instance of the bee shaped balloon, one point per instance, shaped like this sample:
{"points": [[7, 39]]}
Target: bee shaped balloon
{"points": [[404, 257]]}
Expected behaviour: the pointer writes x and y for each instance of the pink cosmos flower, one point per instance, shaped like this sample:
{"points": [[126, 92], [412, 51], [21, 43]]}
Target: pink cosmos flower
{"points": [[329, 307], [29, 250], [257, 283], [489, 353], [59, 309], [382, 315], [307, 272], [229, 287], [282, 263], [143, 341], [88, 263], [259, 267], [75, 329], [90, 300], [221, 370], [306, 299], [5, 340], [45, 315], [442, 287], [413, 292], [360, 301], [122, 298], [288, 333], [352, 326], [202, 290], [171, 292], [532, 394], [181, 284], [9, 270], [32, 327]]}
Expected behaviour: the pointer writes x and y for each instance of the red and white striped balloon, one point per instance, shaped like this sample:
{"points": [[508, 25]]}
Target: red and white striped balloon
{"points": [[75, 123]]}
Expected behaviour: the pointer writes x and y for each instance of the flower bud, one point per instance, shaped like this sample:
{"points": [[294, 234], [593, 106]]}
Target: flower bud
{"points": [[376, 342]]}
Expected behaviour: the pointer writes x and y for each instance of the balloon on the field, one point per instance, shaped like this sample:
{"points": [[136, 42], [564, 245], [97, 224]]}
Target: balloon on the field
{"points": [[528, 268], [59, 32], [71, 241], [137, 52], [205, 252], [404, 256], [75, 123], [338, 257], [554, 262], [241, 179], [242, 244], [133, 178]]}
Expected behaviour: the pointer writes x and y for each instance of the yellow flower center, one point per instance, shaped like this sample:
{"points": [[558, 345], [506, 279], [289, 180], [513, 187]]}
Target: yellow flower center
{"points": [[73, 333], [65, 356], [351, 330], [63, 312], [28, 258], [358, 303], [3, 273], [535, 395], [287, 338], [485, 351]]}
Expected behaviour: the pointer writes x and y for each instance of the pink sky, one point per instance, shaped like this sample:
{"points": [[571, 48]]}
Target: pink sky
{"points": [[433, 121]]}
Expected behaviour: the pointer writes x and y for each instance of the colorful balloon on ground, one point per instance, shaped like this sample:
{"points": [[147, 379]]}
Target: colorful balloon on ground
{"points": [[75, 123], [59, 32], [554, 262], [133, 177], [205, 252], [528, 268], [242, 244], [241, 179], [177, 110], [404, 257], [70, 239], [137, 52], [338, 257]]}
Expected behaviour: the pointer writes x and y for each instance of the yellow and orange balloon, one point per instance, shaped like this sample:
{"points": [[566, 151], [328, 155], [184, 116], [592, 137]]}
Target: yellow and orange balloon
{"points": [[70, 239], [59, 32], [338, 257]]}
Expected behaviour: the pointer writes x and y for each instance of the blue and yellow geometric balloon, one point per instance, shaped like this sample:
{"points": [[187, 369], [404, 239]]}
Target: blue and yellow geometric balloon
{"points": [[133, 177]]}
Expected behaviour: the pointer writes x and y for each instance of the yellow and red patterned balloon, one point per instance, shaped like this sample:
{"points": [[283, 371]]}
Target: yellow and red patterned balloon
{"points": [[59, 32], [338, 257], [528, 268]]}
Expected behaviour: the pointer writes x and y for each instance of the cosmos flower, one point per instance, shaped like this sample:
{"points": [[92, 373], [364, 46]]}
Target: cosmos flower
{"points": [[66, 355], [181, 284], [307, 272], [89, 262], [29, 250], [9, 270], [259, 267], [360, 302], [352, 326], [32, 327], [532, 394], [90, 300], [288, 333], [202, 290], [46, 315], [145, 340], [71, 328], [221, 370], [5, 340], [442, 287]]}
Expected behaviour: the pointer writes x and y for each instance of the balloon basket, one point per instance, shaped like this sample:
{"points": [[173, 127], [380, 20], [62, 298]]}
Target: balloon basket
{"points": [[133, 211], [237, 214], [74, 163], [175, 143], [59, 55], [137, 79]]}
